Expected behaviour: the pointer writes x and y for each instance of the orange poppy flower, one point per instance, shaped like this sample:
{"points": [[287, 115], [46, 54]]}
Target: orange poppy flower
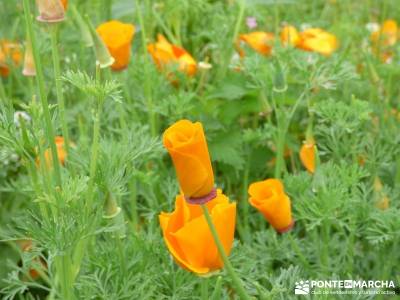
{"points": [[187, 145], [118, 38], [387, 35], [9, 51], [165, 54], [307, 155], [289, 36], [318, 40], [188, 237], [62, 154], [269, 198], [50, 11], [260, 41]]}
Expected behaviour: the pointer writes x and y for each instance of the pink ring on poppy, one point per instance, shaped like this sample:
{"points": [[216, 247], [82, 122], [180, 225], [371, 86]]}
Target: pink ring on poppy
{"points": [[202, 200], [287, 228], [50, 20]]}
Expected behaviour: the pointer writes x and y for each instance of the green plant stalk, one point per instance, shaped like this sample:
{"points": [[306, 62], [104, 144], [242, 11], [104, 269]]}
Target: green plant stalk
{"points": [[133, 195], [42, 93], [238, 285], [228, 53], [57, 76], [204, 288], [245, 205], [147, 83], [297, 250]]}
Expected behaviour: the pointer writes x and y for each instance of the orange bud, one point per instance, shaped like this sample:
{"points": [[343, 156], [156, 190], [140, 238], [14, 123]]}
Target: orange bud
{"points": [[307, 155], [29, 62], [50, 11], [269, 198], [61, 152], [9, 51], [318, 40], [118, 38], [187, 145], [260, 41], [65, 4], [188, 237], [165, 54], [289, 36]]}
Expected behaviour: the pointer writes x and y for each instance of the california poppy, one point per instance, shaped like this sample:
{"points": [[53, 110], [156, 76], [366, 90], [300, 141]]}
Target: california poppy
{"points": [[9, 52], [269, 198], [51, 11], [384, 38], [61, 152], [289, 36], [187, 145], [166, 54], [188, 237], [118, 38], [307, 155], [259, 41], [317, 40], [387, 35]]}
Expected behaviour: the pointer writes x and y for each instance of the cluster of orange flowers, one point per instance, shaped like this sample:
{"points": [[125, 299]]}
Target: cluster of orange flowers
{"points": [[185, 230], [311, 39]]}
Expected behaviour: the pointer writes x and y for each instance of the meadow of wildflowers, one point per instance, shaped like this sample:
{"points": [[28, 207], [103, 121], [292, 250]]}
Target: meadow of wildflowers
{"points": [[230, 149]]}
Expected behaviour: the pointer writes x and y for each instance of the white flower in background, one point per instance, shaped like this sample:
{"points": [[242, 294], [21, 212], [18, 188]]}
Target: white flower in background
{"points": [[372, 26], [21, 114], [204, 65]]}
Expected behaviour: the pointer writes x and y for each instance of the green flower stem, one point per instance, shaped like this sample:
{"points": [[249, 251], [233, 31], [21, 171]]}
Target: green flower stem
{"points": [[229, 268], [297, 250], [283, 124], [95, 145], [42, 93], [57, 76], [204, 288], [147, 83]]}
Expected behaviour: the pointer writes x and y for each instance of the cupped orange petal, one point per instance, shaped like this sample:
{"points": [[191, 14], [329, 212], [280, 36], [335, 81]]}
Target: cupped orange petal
{"points": [[259, 41], [289, 36], [187, 145], [166, 54], [118, 38], [189, 239], [269, 198], [387, 34], [318, 40], [307, 155]]}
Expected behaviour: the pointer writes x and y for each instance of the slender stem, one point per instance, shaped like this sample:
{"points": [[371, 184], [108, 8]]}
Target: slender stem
{"points": [[204, 288], [147, 83], [95, 145], [296, 249], [229, 268], [59, 93], [42, 92]]}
